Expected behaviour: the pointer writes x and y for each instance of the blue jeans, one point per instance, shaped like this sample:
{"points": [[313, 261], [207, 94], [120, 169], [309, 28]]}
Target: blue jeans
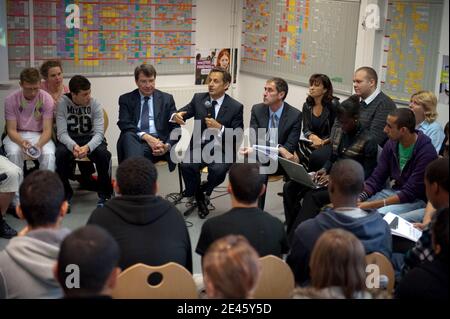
{"points": [[398, 209], [415, 216]]}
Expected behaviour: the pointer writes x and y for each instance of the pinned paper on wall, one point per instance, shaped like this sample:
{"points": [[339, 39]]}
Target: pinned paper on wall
{"points": [[106, 37]]}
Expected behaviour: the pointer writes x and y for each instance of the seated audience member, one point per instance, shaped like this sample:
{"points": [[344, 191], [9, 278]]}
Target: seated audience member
{"points": [[96, 254], [52, 73], [350, 140], [29, 122], [429, 280], [10, 179], [436, 186], [423, 104], [318, 114], [147, 228], [231, 268], [26, 264], [264, 231], [375, 105], [337, 268], [403, 160], [80, 129], [345, 184]]}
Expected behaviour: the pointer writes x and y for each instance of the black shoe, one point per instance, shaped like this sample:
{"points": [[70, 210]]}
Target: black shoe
{"points": [[202, 207], [6, 231]]}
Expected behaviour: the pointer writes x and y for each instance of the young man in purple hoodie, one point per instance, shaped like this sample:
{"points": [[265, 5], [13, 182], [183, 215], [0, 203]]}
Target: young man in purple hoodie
{"points": [[403, 161]]}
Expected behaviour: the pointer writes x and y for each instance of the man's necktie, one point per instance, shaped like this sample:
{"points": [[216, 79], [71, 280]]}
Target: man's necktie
{"points": [[213, 109], [145, 116], [273, 129], [362, 104]]}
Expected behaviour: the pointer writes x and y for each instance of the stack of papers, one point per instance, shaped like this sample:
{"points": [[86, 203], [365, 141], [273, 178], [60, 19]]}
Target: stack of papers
{"points": [[401, 227], [269, 151]]}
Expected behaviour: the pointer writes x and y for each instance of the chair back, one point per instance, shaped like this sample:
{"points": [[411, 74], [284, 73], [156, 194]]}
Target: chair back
{"points": [[169, 281], [276, 280], [385, 268]]}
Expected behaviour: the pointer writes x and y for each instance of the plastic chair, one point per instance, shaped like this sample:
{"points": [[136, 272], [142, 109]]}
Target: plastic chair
{"points": [[175, 283], [385, 267], [276, 281]]}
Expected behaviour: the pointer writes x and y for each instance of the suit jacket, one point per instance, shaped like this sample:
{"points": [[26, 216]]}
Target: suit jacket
{"points": [[230, 116], [289, 125], [163, 107]]}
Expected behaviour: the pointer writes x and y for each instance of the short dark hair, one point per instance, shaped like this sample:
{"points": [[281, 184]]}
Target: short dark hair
{"points": [[371, 73], [147, 69], [79, 83], [95, 252], [281, 86], [437, 172], [349, 107], [41, 197], [439, 230], [246, 182], [137, 176], [30, 75], [405, 118], [323, 79], [347, 176], [47, 65], [225, 74]]}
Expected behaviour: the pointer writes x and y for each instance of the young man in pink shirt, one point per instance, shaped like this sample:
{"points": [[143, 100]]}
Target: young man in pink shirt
{"points": [[29, 122]]}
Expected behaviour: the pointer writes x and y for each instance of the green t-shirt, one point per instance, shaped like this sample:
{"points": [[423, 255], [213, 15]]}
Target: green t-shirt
{"points": [[404, 154]]}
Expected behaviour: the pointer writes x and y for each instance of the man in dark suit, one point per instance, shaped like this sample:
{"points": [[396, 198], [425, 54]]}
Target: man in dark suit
{"points": [[281, 122], [144, 116], [217, 132]]}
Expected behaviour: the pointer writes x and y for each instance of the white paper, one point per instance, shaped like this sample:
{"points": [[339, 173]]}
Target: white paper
{"points": [[401, 227]]}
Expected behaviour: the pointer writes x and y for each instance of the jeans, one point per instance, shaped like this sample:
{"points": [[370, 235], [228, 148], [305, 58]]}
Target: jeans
{"points": [[398, 209]]}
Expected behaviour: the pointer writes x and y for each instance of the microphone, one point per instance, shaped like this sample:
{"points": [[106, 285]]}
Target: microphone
{"points": [[208, 106], [3, 176]]}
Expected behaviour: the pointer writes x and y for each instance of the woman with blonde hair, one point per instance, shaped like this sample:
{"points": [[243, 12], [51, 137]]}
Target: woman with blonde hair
{"points": [[423, 104], [231, 268], [337, 268]]}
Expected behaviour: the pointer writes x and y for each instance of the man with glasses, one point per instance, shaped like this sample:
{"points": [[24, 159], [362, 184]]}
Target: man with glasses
{"points": [[29, 122]]}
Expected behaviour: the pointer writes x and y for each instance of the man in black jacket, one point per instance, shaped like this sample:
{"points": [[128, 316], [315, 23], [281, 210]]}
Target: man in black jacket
{"points": [[217, 133], [280, 122], [144, 116], [264, 232], [148, 229]]}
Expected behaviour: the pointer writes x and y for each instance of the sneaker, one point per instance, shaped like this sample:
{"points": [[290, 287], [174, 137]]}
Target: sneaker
{"points": [[6, 231], [101, 201]]}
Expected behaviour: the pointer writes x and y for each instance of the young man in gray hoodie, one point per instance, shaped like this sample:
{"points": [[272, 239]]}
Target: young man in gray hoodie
{"points": [[79, 123], [26, 264]]}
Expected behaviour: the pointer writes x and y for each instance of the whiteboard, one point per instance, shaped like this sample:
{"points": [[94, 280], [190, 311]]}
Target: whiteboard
{"points": [[296, 38]]}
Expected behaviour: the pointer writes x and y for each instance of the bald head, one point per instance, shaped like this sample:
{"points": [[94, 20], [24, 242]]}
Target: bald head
{"points": [[347, 178]]}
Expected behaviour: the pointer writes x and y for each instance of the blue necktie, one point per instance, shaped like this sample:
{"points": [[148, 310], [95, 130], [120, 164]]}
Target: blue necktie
{"points": [[145, 116]]}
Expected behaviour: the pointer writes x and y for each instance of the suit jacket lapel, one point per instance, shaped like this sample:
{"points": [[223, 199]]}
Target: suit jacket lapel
{"points": [[283, 119], [157, 106], [223, 109], [137, 108]]}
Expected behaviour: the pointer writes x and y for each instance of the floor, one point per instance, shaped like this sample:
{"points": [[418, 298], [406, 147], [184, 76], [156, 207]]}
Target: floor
{"points": [[84, 203]]}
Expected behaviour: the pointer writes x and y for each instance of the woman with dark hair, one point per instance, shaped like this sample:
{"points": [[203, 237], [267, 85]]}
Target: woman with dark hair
{"points": [[338, 268], [349, 141], [231, 268], [319, 112]]}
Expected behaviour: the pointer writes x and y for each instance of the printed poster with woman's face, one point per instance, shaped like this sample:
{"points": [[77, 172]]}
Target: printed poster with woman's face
{"points": [[207, 59]]}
